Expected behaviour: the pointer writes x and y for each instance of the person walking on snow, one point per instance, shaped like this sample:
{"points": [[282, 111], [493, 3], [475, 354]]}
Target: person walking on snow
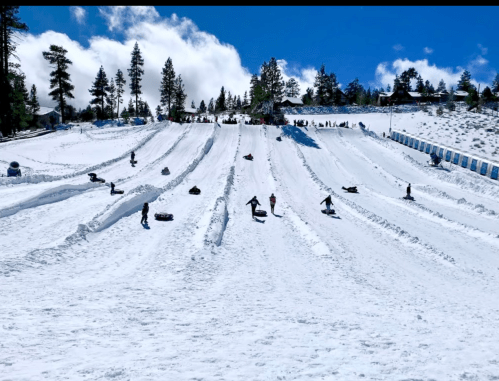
{"points": [[272, 203], [112, 188], [145, 210], [254, 202], [409, 191], [133, 156], [328, 202]]}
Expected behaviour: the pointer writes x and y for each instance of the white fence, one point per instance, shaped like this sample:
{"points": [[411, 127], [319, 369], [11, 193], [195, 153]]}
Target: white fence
{"points": [[481, 165]]}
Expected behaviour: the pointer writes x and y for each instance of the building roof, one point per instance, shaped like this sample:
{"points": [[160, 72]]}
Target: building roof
{"points": [[460, 93], [295, 101], [414, 94], [190, 110], [386, 94], [46, 110]]}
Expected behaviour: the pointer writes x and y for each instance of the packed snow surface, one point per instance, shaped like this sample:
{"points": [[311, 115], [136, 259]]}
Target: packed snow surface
{"points": [[385, 289]]}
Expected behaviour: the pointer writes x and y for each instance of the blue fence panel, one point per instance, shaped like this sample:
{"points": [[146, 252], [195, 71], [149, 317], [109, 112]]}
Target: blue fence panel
{"points": [[421, 147], [428, 146], [447, 155], [464, 163], [406, 140], [416, 144], [441, 153], [434, 149], [397, 137], [495, 172], [474, 162], [483, 168], [456, 158]]}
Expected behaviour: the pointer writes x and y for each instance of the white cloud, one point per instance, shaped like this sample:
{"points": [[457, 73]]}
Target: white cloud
{"points": [[385, 73], [204, 62], [120, 16], [78, 13], [428, 50], [483, 49], [304, 77], [398, 47], [479, 61]]}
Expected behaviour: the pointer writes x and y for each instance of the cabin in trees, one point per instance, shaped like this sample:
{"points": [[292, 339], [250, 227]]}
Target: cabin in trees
{"points": [[48, 117], [290, 102]]}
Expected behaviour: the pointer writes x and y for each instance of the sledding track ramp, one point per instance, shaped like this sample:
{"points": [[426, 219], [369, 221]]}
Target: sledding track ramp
{"points": [[385, 289]]}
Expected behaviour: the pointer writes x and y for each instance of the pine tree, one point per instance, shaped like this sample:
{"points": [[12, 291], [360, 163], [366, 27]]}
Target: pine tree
{"points": [[464, 83], [396, 83], [202, 107], [292, 88], [131, 109], [332, 93], [135, 73], [441, 86], [228, 101], [112, 98], [140, 109], [238, 103], [193, 105], [120, 89], [147, 110], [273, 83], [320, 85], [167, 88], [180, 95], [419, 84], [159, 111], [451, 106], [33, 104], [18, 98], [245, 99], [308, 97], [220, 104], [253, 83], [60, 79], [487, 95], [211, 106], [353, 90], [100, 92], [10, 26], [495, 84], [388, 88]]}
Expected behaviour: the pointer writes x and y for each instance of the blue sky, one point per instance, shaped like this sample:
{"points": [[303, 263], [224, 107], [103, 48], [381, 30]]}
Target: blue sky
{"points": [[371, 43]]}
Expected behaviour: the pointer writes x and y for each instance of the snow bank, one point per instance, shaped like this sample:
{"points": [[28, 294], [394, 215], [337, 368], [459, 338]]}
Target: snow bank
{"points": [[318, 110]]}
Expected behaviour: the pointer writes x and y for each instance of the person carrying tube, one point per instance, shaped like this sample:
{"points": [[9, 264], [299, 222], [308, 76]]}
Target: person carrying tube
{"points": [[254, 202], [328, 202]]}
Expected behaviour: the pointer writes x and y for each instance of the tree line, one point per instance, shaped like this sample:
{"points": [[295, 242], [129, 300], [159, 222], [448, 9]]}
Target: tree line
{"points": [[18, 106]]}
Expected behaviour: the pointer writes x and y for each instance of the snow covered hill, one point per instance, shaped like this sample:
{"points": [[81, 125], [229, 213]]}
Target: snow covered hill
{"points": [[385, 289]]}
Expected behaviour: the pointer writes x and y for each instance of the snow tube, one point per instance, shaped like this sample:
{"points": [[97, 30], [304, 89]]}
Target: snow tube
{"points": [[248, 158], [14, 165], [163, 216], [195, 191], [278, 138], [351, 189], [95, 179], [325, 211], [133, 161], [165, 171], [410, 198], [260, 213], [118, 191]]}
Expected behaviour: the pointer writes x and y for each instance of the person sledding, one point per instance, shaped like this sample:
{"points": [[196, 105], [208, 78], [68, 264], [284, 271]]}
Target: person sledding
{"points": [[435, 160], [350, 189], [408, 195], [248, 157], [272, 203], [254, 202], [328, 202]]}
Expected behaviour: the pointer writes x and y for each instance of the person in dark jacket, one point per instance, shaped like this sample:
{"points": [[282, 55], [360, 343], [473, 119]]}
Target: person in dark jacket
{"points": [[272, 203], [409, 191], [133, 156], [328, 202], [112, 188], [145, 210], [254, 202]]}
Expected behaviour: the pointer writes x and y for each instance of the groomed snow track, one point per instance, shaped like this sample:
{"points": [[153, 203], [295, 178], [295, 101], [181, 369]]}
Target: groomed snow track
{"points": [[386, 289]]}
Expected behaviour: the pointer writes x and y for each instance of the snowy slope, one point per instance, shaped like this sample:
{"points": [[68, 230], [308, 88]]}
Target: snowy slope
{"points": [[386, 289]]}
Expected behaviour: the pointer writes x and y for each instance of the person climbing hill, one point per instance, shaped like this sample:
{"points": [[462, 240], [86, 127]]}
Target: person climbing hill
{"points": [[272, 203], [112, 188], [145, 210], [254, 202], [328, 202], [409, 190], [133, 156]]}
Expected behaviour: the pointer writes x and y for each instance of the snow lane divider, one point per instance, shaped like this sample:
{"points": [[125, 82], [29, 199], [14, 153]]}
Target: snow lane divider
{"points": [[50, 196]]}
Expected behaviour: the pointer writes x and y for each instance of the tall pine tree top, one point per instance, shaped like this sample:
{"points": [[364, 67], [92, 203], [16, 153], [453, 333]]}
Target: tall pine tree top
{"points": [[464, 83], [135, 73]]}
